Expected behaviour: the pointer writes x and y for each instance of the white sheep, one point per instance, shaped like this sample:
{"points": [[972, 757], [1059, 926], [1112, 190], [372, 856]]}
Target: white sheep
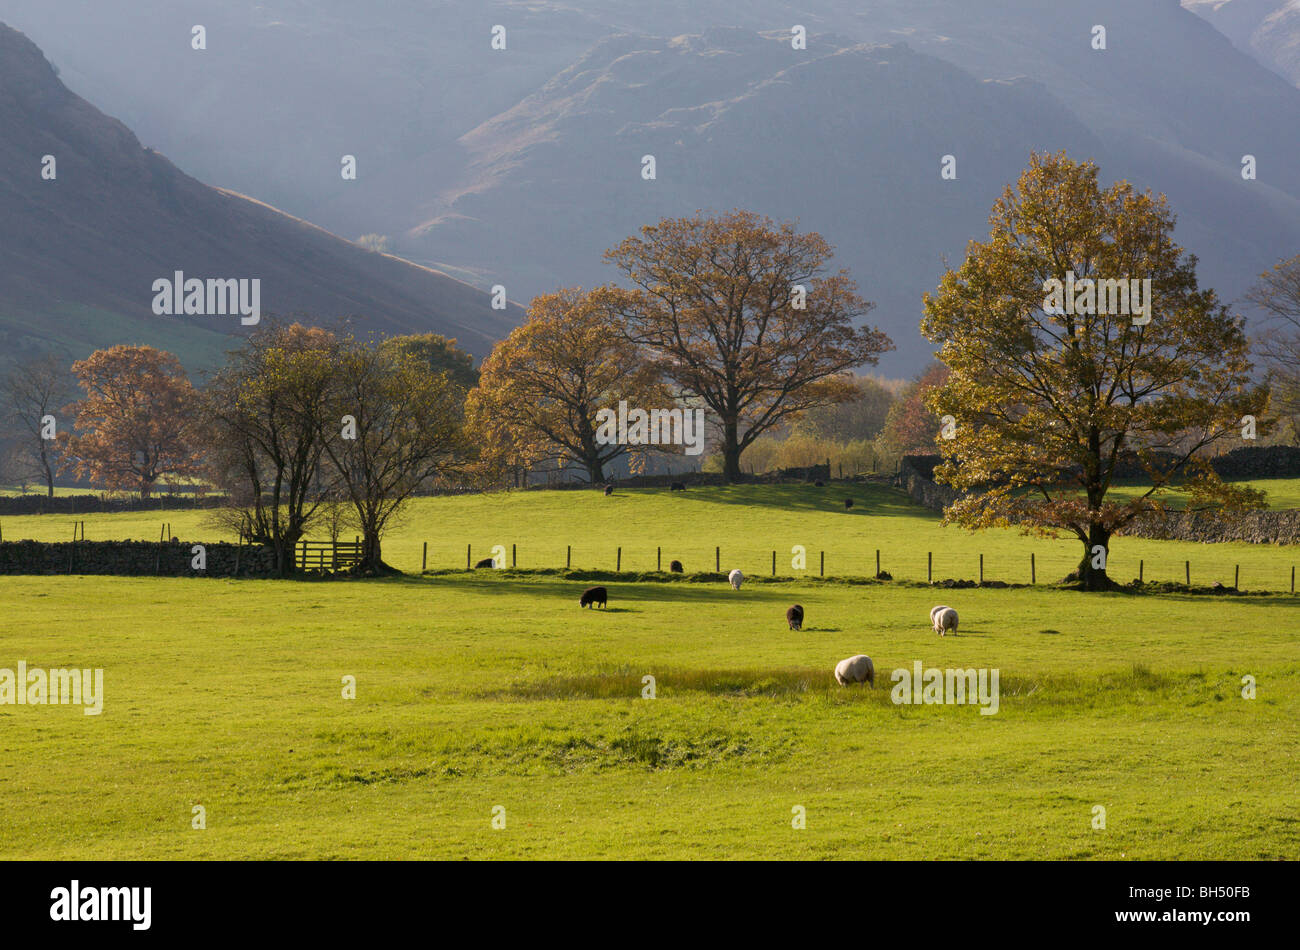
{"points": [[856, 669], [943, 619], [736, 578]]}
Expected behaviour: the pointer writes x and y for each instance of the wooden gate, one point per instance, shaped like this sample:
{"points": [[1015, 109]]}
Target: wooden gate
{"points": [[327, 555]]}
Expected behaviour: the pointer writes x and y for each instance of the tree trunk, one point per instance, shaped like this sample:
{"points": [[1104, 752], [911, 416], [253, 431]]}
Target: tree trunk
{"points": [[1095, 577], [284, 557], [372, 557], [731, 452], [595, 471]]}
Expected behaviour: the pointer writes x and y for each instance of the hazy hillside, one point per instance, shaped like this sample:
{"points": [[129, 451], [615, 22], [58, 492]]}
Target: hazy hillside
{"points": [[79, 253], [520, 166], [567, 161], [1269, 30], [848, 139]]}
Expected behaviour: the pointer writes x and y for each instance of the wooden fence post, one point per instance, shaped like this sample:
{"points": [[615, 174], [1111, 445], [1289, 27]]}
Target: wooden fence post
{"points": [[568, 556], [469, 561], [659, 558], [1236, 577], [717, 560], [618, 565], [424, 558], [774, 564], [823, 567], [512, 556], [929, 567], [981, 568], [1187, 571], [1033, 569], [1141, 564]]}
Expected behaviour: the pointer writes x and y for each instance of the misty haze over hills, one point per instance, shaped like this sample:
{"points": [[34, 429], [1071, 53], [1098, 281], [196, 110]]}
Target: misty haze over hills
{"points": [[521, 166]]}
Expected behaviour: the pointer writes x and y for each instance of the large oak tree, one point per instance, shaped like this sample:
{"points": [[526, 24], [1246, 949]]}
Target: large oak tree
{"points": [[1047, 403], [742, 314], [392, 428], [136, 421], [265, 417], [541, 387]]}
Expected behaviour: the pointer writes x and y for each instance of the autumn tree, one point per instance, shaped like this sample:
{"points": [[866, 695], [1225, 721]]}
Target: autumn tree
{"points": [[911, 426], [439, 355], [742, 314], [136, 420], [542, 386], [265, 423], [863, 416], [392, 428], [1277, 293], [32, 392], [1052, 392]]}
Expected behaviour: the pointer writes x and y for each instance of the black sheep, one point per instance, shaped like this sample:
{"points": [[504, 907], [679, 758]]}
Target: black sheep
{"points": [[593, 595], [794, 617], [486, 562], [609, 489], [675, 567], [678, 486], [848, 503]]}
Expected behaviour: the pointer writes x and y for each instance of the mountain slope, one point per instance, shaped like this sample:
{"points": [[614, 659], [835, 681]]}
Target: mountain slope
{"points": [[82, 250], [1269, 30], [848, 139]]}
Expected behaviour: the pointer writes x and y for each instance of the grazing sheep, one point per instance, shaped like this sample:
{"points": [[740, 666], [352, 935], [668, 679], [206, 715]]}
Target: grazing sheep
{"points": [[676, 567], [856, 669], [678, 486], [848, 503], [819, 483], [794, 617], [593, 595], [943, 619], [736, 578], [609, 489], [486, 562]]}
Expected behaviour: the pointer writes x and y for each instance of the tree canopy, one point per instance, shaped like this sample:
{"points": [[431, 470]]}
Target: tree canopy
{"points": [[1049, 394]]}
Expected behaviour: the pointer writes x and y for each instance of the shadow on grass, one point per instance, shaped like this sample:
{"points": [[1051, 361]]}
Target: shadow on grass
{"points": [[868, 498], [708, 586]]}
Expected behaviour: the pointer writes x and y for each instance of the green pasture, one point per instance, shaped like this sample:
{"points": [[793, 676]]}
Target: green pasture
{"points": [[735, 527], [496, 689]]}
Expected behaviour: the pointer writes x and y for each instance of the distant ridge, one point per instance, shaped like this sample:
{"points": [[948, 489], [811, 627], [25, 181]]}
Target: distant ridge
{"points": [[79, 253]]}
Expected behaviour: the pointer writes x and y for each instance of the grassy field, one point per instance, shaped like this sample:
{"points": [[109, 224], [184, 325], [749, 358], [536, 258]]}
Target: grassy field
{"points": [[747, 522], [495, 689], [498, 690], [1279, 492]]}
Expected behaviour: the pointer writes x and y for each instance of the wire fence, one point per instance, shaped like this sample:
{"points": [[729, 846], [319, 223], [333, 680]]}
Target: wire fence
{"points": [[909, 564]]}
